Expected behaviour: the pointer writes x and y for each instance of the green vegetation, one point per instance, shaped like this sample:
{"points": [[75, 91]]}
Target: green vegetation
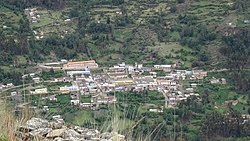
{"points": [[112, 31], [85, 99], [192, 33], [52, 74], [131, 108]]}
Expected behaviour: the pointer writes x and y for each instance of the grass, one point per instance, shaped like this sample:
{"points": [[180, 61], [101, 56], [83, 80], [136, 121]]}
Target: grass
{"points": [[7, 124], [174, 52], [63, 99], [85, 99], [10, 19], [108, 118], [53, 22], [21, 60], [122, 34], [121, 124], [82, 117], [221, 93], [211, 12]]}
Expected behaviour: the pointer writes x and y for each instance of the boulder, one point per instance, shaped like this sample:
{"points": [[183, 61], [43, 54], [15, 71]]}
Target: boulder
{"points": [[36, 123], [56, 125], [71, 133], [106, 136], [55, 133], [40, 131], [117, 137]]}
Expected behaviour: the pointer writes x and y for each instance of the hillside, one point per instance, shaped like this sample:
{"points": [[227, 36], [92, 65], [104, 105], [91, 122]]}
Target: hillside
{"points": [[111, 31], [187, 32]]}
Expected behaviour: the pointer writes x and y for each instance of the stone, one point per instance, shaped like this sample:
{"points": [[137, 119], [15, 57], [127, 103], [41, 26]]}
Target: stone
{"points": [[118, 137], [55, 133], [40, 131], [56, 125], [78, 129], [106, 136], [36, 123], [69, 133], [58, 139]]}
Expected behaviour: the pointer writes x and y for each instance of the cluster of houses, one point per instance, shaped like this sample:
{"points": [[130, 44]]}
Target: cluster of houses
{"points": [[33, 76], [40, 91], [96, 101], [123, 77], [218, 81], [32, 14], [6, 86], [34, 17]]}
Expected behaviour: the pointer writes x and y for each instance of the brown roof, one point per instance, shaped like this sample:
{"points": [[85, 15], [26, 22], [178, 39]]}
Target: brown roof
{"points": [[81, 62]]}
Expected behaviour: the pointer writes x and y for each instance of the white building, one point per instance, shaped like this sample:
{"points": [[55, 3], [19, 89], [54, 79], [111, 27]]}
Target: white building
{"points": [[166, 68], [75, 102], [40, 91]]}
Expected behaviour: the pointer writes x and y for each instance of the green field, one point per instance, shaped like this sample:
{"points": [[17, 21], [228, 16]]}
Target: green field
{"points": [[9, 20]]}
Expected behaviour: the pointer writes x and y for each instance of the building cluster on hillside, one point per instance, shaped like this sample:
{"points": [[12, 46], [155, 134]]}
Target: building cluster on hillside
{"points": [[218, 81], [34, 17], [123, 77], [32, 14], [165, 79], [6, 86], [91, 64]]}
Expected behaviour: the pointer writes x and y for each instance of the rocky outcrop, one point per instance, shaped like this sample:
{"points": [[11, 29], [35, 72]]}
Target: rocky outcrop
{"points": [[56, 130], [36, 123]]}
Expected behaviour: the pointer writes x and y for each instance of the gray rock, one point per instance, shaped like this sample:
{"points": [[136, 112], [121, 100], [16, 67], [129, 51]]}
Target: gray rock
{"points": [[58, 139], [106, 136], [79, 129], [55, 133], [36, 123], [56, 125], [71, 133], [40, 131]]}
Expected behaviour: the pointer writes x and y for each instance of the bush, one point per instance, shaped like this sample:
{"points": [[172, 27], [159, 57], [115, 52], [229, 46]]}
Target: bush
{"points": [[197, 64], [180, 1], [173, 9]]}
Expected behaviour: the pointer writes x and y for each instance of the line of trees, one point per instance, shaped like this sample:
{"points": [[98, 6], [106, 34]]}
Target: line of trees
{"points": [[216, 125], [50, 4], [236, 49]]}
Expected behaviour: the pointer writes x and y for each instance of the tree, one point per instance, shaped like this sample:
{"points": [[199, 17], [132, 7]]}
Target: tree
{"points": [[237, 51], [173, 9], [241, 5], [180, 1], [51, 71], [212, 125]]}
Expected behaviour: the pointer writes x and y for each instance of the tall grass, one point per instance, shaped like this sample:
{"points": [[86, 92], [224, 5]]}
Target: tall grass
{"points": [[7, 123], [125, 125]]}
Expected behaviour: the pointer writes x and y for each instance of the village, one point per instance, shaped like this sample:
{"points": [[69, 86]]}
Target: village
{"points": [[85, 80]]}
